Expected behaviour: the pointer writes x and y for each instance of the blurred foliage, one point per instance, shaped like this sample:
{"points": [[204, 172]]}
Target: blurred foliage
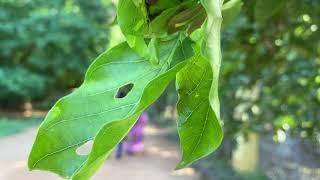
{"points": [[11, 125], [221, 170], [46, 46], [270, 79], [270, 76]]}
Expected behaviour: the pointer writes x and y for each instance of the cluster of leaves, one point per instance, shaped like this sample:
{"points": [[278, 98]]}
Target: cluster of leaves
{"points": [[51, 43], [270, 75], [164, 39]]}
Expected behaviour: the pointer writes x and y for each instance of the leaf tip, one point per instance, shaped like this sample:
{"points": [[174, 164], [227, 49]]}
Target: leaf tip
{"points": [[30, 164], [182, 164]]}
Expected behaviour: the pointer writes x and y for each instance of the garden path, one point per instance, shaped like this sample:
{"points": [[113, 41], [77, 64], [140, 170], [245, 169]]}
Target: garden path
{"points": [[156, 163]]}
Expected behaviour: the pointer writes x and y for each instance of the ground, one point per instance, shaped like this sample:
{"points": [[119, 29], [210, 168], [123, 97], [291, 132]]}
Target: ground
{"points": [[156, 163]]}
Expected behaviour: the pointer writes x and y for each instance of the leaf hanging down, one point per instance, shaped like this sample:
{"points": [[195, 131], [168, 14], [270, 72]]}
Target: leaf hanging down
{"points": [[211, 48], [199, 128], [94, 112]]}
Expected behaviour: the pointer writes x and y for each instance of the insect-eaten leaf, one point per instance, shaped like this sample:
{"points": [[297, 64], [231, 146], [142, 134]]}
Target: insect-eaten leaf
{"points": [[95, 113]]}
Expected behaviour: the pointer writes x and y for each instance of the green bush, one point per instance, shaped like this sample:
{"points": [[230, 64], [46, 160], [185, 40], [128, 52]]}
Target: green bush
{"points": [[16, 86], [48, 45], [271, 69]]}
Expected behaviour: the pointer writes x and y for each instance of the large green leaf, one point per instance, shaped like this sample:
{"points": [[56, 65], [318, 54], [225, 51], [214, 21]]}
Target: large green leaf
{"points": [[199, 128], [95, 112], [200, 131], [112, 133]]}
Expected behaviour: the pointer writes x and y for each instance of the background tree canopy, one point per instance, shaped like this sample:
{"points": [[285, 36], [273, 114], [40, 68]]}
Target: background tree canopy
{"points": [[271, 70], [46, 46], [270, 74]]}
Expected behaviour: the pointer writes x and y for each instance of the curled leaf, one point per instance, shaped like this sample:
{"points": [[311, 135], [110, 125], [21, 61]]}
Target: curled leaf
{"points": [[199, 128]]}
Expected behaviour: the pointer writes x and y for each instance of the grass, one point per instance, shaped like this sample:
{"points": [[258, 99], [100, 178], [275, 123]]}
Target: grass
{"points": [[10, 126]]}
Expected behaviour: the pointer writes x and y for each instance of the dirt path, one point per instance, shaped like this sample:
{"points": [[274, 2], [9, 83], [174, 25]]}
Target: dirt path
{"points": [[157, 163]]}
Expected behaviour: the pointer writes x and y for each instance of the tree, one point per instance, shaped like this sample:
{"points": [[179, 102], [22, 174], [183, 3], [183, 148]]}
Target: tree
{"points": [[51, 43], [270, 75]]}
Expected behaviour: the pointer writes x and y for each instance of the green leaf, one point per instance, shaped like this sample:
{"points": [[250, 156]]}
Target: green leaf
{"points": [[266, 9], [161, 5], [132, 18], [159, 26], [96, 112], [190, 18], [199, 129], [211, 48], [187, 15], [230, 10], [112, 133], [152, 51]]}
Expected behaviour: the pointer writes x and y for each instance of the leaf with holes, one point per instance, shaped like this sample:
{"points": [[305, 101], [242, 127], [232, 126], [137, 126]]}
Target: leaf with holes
{"points": [[118, 86], [199, 128]]}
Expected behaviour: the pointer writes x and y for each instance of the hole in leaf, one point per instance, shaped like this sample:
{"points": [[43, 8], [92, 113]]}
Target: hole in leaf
{"points": [[124, 91], [85, 148]]}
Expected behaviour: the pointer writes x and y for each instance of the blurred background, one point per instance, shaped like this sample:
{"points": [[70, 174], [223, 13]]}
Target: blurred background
{"points": [[269, 89]]}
